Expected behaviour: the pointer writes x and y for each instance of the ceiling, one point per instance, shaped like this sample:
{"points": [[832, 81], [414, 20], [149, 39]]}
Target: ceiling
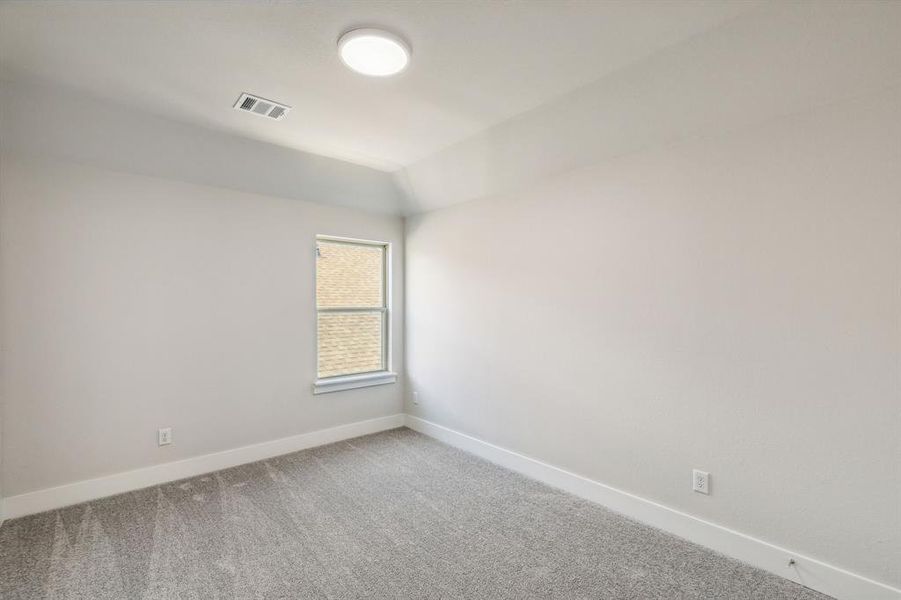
{"points": [[475, 63], [783, 61]]}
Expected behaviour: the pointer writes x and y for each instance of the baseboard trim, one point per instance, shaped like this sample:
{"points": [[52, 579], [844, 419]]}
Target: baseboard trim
{"points": [[807, 571], [110, 485], [815, 574]]}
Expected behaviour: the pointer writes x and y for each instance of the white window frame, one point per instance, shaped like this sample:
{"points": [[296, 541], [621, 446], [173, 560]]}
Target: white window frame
{"points": [[338, 383]]}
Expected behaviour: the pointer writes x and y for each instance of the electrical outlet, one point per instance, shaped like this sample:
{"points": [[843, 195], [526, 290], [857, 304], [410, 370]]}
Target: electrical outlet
{"points": [[416, 398], [700, 481], [165, 436]]}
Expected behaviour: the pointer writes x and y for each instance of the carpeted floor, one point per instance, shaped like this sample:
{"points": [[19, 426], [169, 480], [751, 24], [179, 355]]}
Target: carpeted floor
{"points": [[391, 515]]}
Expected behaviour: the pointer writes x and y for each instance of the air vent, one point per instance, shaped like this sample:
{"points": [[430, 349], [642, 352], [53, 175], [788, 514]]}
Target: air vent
{"points": [[262, 107]]}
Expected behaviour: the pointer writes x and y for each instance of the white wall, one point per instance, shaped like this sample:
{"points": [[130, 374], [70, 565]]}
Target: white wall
{"points": [[132, 302], [729, 303]]}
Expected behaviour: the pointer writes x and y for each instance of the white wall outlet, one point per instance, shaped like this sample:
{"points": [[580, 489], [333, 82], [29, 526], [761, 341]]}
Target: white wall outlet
{"points": [[416, 398], [165, 436], [700, 481]]}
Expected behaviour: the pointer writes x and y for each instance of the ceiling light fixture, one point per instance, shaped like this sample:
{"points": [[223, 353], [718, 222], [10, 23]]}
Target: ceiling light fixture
{"points": [[374, 52]]}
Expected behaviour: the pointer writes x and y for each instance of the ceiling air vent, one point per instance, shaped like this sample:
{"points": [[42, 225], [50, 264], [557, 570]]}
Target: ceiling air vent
{"points": [[261, 106]]}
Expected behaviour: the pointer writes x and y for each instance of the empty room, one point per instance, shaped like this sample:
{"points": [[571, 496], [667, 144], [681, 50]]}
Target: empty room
{"points": [[450, 299]]}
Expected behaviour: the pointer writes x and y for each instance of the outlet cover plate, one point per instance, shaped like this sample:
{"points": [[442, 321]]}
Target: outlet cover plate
{"points": [[700, 481], [164, 436]]}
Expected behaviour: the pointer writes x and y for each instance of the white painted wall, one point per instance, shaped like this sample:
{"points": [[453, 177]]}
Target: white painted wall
{"points": [[132, 302], [729, 303]]}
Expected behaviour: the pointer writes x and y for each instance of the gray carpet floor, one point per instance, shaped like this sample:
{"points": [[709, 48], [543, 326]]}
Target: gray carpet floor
{"points": [[391, 515]]}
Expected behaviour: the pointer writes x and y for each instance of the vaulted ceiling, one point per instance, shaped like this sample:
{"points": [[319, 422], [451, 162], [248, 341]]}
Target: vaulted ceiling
{"points": [[497, 94], [475, 63]]}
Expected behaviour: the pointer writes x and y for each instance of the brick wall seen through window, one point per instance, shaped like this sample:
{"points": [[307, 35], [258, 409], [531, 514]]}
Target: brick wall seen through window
{"points": [[352, 312]]}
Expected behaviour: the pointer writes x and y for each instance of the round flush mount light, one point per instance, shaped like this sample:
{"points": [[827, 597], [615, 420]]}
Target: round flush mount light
{"points": [[374, 52]]}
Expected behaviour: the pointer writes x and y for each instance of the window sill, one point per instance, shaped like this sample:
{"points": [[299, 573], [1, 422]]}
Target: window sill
{"points": [[350, 382]]}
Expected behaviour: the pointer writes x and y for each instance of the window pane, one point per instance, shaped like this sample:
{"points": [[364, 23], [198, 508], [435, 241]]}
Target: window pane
{"points": [[349, 275], [350, 343]]}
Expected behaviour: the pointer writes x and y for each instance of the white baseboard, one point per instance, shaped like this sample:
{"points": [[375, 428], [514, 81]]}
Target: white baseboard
{"points": [[91, 489], [807, 571]]}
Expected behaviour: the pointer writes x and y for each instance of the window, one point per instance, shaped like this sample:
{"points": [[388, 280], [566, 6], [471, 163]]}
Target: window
{"points": [[352, 314]]}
